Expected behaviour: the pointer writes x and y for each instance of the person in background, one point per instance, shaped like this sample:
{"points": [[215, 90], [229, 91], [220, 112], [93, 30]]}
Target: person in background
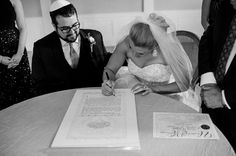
{"points": [[217, 67], [156, 61], [15, 77], [69, 57], [209, 10]]}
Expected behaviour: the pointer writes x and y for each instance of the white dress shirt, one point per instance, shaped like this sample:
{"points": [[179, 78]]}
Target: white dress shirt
{"points": [[66, 49], [210, 78]]}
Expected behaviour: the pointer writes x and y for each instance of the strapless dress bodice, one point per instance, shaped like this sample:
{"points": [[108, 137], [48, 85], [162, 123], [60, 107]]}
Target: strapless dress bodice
{"points": [[152, 73]]}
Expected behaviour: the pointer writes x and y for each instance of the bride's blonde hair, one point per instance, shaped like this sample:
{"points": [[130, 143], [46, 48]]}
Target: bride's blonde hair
{"points": [[141, 35]]}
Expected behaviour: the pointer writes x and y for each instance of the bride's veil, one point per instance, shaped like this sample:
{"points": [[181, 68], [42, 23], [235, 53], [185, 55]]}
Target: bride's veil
{"points": [[171, 49]]}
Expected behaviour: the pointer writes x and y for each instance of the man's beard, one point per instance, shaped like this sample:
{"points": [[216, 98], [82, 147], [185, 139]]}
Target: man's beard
{"points": [[68, 40]]}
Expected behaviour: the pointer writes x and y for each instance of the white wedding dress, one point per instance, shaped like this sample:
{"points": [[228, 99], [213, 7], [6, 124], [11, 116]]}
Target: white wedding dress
{"points": [[155, 74]]}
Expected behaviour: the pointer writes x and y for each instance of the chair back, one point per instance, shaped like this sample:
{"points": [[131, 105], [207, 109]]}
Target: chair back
{"points": [[190, 42]]}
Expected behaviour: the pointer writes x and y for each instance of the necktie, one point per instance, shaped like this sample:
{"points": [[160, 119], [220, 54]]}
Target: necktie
{"points": [[74, 57], [228, 46]]}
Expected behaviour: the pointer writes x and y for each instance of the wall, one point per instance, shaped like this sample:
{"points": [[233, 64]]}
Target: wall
{"points": [[177, 4], [107, 6], [108, 16]]}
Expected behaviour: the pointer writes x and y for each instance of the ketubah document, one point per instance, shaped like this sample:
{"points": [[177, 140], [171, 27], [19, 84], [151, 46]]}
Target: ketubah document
{"points": [[95, 120]]}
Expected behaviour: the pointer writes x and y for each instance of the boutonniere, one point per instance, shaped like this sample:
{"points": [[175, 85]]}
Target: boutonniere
{"points": [[91, 41]]}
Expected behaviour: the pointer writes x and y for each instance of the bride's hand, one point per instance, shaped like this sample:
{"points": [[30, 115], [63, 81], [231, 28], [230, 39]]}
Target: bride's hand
{"points": [[141, 88], [108, 87]]}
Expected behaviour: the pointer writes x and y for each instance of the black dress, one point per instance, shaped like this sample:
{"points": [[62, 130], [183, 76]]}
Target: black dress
{"points": [[15, 83]]}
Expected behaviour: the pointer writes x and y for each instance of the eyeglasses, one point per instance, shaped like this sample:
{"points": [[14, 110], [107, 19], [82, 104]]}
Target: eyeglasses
{"points": [[67, 29]]}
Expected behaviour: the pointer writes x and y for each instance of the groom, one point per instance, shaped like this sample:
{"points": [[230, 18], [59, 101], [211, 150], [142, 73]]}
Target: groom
{"points": [[69, 57], [217, 66]]}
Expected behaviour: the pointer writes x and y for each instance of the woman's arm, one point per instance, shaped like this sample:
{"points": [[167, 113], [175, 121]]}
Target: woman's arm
{"points": [[146, 87], [20, 21], [116, 60], [166, 89]]}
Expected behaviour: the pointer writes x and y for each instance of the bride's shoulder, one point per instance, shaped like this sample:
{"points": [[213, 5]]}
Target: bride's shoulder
{"points": [[160, 59], [124, 43], [122, 46]]}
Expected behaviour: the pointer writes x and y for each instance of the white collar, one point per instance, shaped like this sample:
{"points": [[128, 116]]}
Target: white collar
{"points": [[65, 44]]}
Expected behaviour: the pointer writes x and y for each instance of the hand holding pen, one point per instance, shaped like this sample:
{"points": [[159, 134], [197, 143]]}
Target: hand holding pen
{"points": [[108, 86]]}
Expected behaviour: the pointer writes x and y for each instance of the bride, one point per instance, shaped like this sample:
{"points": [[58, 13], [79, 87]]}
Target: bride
{"points": [[156, 62]]}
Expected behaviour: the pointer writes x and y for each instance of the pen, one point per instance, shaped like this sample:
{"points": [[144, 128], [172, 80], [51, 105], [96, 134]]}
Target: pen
{"points": [[107, 76], [107, 84]]}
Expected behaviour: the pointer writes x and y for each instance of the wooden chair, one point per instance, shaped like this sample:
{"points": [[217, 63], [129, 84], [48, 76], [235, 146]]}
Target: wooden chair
{"points": [[190, 42]]}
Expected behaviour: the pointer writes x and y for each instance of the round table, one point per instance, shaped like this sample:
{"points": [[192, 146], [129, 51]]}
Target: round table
{"points": [[28, 129]]}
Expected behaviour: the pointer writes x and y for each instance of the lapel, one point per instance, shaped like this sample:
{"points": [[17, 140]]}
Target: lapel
{"points": [[231, 67], [85, 48]]}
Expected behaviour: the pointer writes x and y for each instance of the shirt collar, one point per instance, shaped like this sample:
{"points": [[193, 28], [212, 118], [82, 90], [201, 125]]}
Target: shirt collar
{"points": [[65, 44]]}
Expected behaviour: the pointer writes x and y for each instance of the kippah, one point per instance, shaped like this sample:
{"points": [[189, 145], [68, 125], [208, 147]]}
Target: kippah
{"points": [[57, 4]]}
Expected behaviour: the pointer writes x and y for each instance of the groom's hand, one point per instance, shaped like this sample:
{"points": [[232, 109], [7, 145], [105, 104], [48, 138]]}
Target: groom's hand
{"points": [[211, 96]]}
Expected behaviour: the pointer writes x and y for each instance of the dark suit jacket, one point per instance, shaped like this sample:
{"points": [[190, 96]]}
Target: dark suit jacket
{"points": [[211, 45], [51, 71]]}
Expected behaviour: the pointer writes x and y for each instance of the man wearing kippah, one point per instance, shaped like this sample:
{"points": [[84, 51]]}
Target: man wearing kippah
{"points": [[69, 57]]}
